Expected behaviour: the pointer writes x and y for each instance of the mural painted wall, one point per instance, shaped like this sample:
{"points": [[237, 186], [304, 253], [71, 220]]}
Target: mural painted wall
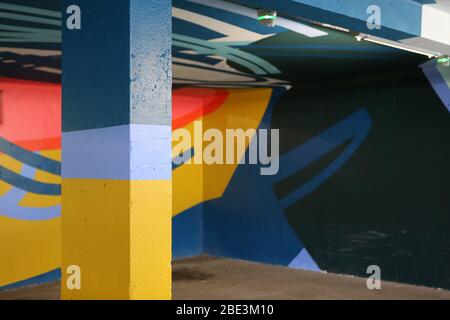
{"points": [[364, 143], [30, 134], [364, 147], [363, 180], [29, 170]]}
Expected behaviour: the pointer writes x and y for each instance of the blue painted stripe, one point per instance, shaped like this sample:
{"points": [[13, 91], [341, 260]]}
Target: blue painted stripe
{"points": [[222, 71], [28, 18], [43, 278], [257, 65], [31, 30], [32, 10], [127, 152], [10, 208], [28, 184], [30, 158], [10, 203], [194, 57], [185, 157], [355, 128]]}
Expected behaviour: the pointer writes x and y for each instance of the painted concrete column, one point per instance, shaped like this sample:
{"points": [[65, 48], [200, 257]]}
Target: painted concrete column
{"points": [[116, 145]]}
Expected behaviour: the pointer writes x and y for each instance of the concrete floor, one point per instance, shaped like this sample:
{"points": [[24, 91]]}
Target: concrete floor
{"points": [[208, 278]]}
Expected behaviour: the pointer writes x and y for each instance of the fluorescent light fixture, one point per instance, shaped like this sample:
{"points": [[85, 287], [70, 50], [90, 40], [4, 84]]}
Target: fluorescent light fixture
{"points": [[396, 45], [443, 61], [267, 17], [361, 36]]}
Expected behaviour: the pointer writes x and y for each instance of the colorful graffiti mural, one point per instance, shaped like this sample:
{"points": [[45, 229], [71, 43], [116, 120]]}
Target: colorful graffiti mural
{"points": [[364, 146], [30, 169]]}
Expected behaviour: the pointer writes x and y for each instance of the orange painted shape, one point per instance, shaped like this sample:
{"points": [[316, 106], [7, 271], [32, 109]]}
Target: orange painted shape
{"points": [[189, 104]]}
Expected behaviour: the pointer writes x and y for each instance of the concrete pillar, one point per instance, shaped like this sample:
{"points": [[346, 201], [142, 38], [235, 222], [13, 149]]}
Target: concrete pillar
{"points": [[116, 145]]}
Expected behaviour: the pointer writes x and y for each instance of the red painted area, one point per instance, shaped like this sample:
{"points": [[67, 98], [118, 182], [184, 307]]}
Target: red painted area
{"points": [[30, 114], [190, 104]]}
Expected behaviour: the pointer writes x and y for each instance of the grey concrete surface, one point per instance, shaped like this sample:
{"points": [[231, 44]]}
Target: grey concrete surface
{"points": [[215, 278]]}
